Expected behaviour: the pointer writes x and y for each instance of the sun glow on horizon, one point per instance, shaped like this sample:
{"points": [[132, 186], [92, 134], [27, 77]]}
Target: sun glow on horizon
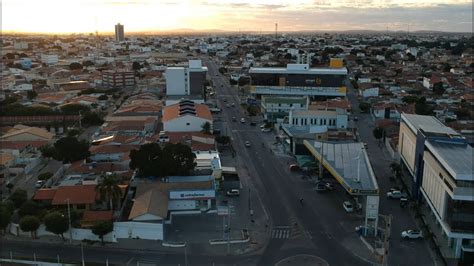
{"points": [[86, 16]]}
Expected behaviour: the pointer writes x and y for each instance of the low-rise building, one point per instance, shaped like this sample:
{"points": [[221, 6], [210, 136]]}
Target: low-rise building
{"points": [[186, 116]]}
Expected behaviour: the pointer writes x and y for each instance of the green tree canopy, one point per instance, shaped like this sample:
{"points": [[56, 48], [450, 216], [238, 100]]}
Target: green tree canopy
{"points": [[422, 108], [410, 99], [109, 190], [378, 133], [102, 228], [56, 223], [92, 119], [30, 223], [29, 207], [74, 109], [173, 159], [103, 97], [75, 66], [5, 216], [18, 197], [69, 149], [206, 128], [364, 107], [224, 140], [136, 66], [31, 94], [438, 88]]}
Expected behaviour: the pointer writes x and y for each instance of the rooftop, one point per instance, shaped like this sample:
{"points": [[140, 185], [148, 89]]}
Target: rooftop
{"points": [[348, 163], [298, 70], [455, 157], [428, 124]]}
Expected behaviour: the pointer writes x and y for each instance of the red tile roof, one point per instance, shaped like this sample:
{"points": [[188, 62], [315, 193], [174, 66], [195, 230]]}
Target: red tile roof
{"points": [[45, 194], [83, 194], [172, 112], [18, 145], [94, 216]]}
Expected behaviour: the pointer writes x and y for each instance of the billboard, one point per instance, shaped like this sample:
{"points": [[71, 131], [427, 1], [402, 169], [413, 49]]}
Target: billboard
{"points": [[192, 194]]}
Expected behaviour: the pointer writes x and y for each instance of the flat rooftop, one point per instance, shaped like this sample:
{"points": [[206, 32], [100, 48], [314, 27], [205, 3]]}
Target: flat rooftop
{"points": [[428, 124], [455, 157], [348, 163], [284, 70]]}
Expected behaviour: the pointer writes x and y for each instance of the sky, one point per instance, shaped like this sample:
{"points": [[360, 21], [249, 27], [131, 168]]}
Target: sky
{"points": [[86, 16]]}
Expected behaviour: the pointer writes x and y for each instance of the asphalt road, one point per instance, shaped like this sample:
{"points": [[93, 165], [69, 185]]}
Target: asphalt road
{"points": [[319, 219]]}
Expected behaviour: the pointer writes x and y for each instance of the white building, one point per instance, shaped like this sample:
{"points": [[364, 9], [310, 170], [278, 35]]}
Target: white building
{"points": [[50, 59], [186, 80], [275, 107], [186, 116], [333, 119]]}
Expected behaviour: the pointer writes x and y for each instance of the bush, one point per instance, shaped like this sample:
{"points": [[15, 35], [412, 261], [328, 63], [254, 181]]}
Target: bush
{"points": [[18, 197]]}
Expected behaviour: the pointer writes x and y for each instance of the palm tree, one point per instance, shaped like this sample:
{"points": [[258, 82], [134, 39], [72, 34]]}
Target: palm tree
{"points": [[109, 190]]}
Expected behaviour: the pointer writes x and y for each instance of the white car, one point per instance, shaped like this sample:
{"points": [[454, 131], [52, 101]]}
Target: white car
{"points": [[396, 194], [412, 234], [242, 120], [233, 192], [247, 143], [266, 129], [348, 206], [40, 183]]}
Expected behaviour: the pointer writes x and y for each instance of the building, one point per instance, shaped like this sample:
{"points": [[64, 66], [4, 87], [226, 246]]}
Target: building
{"points": [[186, 81], [119, 33], [299, 80], [49, 59], [186, 116], [118, 79], [332, 119], [26, 133], [274, 107], [439, 161]]}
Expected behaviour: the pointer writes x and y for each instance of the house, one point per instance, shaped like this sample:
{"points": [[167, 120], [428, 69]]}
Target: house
{"points": [[384, 110], [79, 197], [186, 116], [26, 133]]}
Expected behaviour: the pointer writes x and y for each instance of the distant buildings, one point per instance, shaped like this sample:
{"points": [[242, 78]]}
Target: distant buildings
{"points": [[119, 33], [118, 79], [49, 59]]}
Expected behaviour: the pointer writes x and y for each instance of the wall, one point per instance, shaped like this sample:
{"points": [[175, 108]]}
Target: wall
{"points": [[393, 152], [150, 231], [77, 233], [179, 124], [175, 81], [407, 146], [181, 205]]}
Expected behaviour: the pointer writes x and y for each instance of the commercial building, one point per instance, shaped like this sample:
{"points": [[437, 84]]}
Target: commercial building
{"points": [[119, 33], [332, 119], [186, 81], [277, 107], [118, 79], [439, 161], [299, 80], [186, 116]]}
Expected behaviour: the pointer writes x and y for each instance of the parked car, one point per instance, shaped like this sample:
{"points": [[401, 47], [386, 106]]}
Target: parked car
{"points": [[396, 194], [227, 105], [348, 206], [266, 129], [40, 183], [233, 192], [234, 118], [247, 143], [329, 186], [294, 167], [320, 187], [412, 234], [356, 118], [242, 120], [232, 104], [252, 123]]}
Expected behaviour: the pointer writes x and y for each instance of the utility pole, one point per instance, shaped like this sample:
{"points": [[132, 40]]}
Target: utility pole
{"points": [[69, 218], [82, 255], [228, 233], [276, 30], [185, 254]]}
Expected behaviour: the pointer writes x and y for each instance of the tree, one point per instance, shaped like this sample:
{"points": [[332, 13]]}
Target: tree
{"points": [[47, 151], [422, 108], [30, 223], [252, 110], [69, 149], [56, 223], [75, 66], [29, 207], [206, 128], [364, 107], [31, 94], [103, 97], [438, 88], [102, 228], [91, 119], [396, 169], [224, 140], [243, 81], [5, 216], [222, 70], [88, 63], [180, 158], [410, 99], [136, 66], [18, 197], [74, 109], [109, 190], [147, 160], [378, 133]]}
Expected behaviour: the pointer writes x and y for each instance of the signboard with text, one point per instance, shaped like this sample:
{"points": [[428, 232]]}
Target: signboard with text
{"points": [[192, 194], [372, 207]]}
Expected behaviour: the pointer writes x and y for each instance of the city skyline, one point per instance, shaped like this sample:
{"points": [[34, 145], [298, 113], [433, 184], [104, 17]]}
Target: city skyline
{"points": [[85, 16]]}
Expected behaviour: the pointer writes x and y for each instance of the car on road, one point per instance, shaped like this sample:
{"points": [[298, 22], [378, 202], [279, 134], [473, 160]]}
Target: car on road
{"points": [[356, 118], [227, 105], [365, 145], [252, 123], [396, 194], [234, 118], [232, 104], [211, 93], [320, 187], [412, 234], [40, 183], [266, 129], [224, 99], [328, 186], [242, 120], [294, 167], [247, 143], [233, 192], [347, 205]]}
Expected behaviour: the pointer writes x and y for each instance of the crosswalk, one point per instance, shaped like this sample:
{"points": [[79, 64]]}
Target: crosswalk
{"points": [[293, 231], [281, 232]]}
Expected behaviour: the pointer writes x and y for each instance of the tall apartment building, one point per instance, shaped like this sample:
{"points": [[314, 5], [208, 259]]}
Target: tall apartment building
{"points": [[118, 79], [119, 33], [186, 81], [440, 163], [300, 80]]}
